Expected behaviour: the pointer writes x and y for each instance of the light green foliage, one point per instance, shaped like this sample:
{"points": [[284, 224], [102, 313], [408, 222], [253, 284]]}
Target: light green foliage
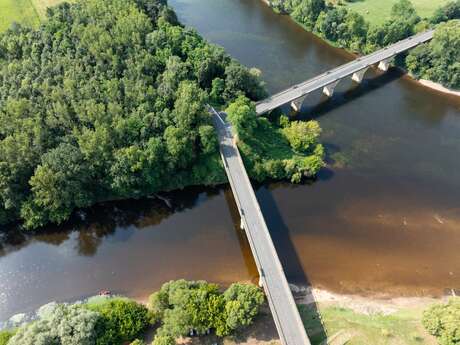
{"points": [[443, 321], [439, 60], [138, 342], [66, 325], [377, 12], [121, 321], [19, 11], [302, 136], [266, 148], [241, 115], [5, 336], [164, 340], [183, 305], [106, 100], [403, 327]]}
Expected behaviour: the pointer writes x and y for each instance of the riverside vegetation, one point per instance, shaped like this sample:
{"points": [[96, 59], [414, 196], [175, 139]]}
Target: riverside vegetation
{"points": [[178, 308], [437, 60], [106, 100]]}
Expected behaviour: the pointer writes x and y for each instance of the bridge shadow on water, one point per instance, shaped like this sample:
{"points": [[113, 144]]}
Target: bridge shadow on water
{"points": [[319, 104], [288, 256]]}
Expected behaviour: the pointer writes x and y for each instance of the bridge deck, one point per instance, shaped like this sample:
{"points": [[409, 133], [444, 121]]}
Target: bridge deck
{"points": [[285, 314], [304, 88]]}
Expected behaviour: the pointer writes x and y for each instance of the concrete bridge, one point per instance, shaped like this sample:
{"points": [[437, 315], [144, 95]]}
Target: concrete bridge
{"points": [[329, 80], [272, 278]]}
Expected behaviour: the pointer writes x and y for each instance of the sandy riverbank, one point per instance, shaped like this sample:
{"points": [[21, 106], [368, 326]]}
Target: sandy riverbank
{"points": [[342, 319], [438, 87]]}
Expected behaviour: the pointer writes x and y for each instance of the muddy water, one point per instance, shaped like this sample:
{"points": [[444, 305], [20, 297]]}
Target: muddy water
{"points": [[383, 218]]}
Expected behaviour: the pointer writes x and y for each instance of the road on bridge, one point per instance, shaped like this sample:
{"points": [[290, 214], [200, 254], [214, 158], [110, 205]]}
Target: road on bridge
{"points": [[284, 310], [335, 75]]}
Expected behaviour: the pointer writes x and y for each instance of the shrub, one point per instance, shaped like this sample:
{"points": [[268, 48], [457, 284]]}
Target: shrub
{"points": [[443, 321], [121, 321], [5, 336], [243, 302], [164, 340], [302, 136], [183, 306], [65, 325], [138, 342]]}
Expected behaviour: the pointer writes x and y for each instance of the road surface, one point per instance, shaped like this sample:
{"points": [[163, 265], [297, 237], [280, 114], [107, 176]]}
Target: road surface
{"points": [[332, 76], [284, 310]]}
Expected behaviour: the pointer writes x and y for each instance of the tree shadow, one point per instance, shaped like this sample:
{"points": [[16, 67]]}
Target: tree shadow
{"points": [[288, 256]]}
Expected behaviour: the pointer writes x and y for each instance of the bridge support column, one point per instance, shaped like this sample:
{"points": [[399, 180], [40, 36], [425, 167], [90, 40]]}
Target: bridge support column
{"points": [[328, 90], [261, 283], [384, 65], [358, 76], [296, 104]]}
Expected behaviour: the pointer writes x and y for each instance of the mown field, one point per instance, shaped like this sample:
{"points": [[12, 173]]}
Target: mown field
{"points": [[28, 12], [377, 11]]}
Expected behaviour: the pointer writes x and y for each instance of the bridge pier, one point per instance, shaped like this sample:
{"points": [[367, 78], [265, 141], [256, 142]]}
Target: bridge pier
{"points": [[328, 90], [296, 104], [358, 76], [384, 65]]}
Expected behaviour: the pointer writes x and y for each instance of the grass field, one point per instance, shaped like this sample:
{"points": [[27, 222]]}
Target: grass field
{"points": [[377, 11], [27, 12], [344, 326]]}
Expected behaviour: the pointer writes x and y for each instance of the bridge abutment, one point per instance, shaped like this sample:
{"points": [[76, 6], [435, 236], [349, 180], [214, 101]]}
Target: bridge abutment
{"points": [[359, 76], [328, 90]]}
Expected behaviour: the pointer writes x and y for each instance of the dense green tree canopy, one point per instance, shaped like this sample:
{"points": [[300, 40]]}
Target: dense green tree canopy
{"points": [[65, 325], [107, 100], [439, 60], [182, 306]]}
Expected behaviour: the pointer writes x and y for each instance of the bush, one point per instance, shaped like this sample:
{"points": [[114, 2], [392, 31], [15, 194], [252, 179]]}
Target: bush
{"points": [[121, 321], [138, 342], [266, 149], [447, 12], [65, 325], [302, 136], [5, 336], [183, 306], [443, 321], [243, 302], [164, 340]]}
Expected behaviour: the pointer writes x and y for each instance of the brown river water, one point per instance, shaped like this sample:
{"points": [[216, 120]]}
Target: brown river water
{"points": [[382, 219]]}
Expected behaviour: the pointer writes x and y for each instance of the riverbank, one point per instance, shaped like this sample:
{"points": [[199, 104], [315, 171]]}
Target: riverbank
{"points": [[339, 318], [426, 83], [438, 87], [342, 319]]}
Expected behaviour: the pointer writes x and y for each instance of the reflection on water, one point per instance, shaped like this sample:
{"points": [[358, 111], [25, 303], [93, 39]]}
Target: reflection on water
{"points": [[384, 217]]}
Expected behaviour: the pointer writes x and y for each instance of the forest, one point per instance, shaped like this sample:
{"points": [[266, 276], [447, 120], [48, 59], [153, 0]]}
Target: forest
{"points": [[348, 29], [107, 100]]}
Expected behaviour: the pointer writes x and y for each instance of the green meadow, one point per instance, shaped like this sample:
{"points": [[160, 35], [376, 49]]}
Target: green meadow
{"points": [[377, 11], [27, 12]]}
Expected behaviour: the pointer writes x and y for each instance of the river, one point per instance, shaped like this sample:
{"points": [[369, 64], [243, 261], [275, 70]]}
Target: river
{"points": [[382, 219]]}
